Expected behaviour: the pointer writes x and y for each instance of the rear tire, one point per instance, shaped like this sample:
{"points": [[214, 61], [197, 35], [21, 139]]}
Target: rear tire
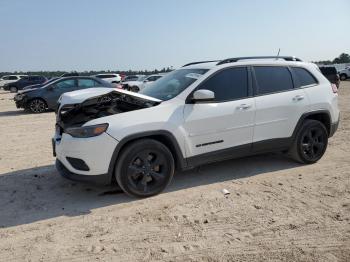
{"points": [[37, 106], [13, 89], [343, 77], [145, 168], [310, 143]]}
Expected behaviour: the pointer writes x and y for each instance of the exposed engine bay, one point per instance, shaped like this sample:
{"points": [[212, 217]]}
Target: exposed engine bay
{"points": [[75, 115]]}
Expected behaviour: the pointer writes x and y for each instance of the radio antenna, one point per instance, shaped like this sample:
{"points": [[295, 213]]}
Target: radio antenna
{"points": [[278, 54]]}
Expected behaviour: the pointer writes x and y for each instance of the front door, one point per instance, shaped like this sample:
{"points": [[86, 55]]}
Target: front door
{"points": [[57, 89], [226, 123]]}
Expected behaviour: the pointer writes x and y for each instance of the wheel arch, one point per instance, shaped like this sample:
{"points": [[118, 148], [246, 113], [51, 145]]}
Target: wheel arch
{"points": [[322, 116], [163, 136]]}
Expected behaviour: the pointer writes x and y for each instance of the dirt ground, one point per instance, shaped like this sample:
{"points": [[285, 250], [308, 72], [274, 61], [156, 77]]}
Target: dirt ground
{"points": [[277, 210]]}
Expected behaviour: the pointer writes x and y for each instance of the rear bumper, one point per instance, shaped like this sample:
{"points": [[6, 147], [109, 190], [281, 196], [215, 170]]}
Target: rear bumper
{"points": [[104, 179]]}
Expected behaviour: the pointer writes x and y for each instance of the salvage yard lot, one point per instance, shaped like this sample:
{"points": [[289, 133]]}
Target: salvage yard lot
{"points": [[276, 209]]}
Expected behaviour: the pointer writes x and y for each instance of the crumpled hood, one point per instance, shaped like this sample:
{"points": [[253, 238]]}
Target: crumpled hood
{"points": [[79, 96]]}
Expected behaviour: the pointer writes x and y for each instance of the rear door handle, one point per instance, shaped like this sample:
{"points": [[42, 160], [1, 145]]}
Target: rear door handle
{"points": [[243, 107], [298, 98]]}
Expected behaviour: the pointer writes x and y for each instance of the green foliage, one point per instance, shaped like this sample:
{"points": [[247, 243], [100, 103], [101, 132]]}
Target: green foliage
{"points": [[50, 74], [342, 59]]}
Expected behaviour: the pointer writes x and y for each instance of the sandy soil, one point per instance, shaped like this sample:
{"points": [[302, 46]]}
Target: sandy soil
{"points": [[277, 210]]}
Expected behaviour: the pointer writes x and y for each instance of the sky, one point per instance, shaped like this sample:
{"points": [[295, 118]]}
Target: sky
{"points": [[152, 34]]}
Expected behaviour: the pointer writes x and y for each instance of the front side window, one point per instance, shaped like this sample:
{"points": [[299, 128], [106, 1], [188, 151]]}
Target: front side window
{"points": [[228, 84], [65, 84], [173, 83], [86, 83], [272, 79], [305, 78], [5, 78]]}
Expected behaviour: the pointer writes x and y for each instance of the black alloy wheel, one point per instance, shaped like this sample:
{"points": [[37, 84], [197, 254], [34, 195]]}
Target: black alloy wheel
{"points": [[311, 142], [37, 106], [145, 168]]}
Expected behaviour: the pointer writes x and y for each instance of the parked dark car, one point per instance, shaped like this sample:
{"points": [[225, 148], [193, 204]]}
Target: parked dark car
{"points": [[331, 73], [40, 85], [25, 81], [40, 99]]}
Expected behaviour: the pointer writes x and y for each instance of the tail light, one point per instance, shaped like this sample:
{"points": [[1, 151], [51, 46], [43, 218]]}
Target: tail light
{"points": [[334, 88]]}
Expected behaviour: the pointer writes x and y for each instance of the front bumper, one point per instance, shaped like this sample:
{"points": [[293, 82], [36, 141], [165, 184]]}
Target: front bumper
{"points": [[84, 159], [104, 179], [21, 103]]}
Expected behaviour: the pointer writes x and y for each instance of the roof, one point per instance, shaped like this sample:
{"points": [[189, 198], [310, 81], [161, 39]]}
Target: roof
{"points": [[273, 60], [210, 65]]}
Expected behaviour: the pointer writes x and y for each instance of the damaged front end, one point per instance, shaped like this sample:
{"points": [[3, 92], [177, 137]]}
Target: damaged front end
{"points": [[96, 106]]}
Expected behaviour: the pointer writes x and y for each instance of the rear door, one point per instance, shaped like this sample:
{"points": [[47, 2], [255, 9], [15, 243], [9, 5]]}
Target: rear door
{"points": [[225, 123], [279, 105]]}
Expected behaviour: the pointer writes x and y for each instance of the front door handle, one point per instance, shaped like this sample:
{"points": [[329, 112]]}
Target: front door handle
{"points": [[298, 98], [243, 107]]}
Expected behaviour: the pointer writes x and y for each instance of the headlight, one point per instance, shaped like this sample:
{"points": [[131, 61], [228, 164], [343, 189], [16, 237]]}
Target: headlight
{"points": [[19, 97], [87, 131]]}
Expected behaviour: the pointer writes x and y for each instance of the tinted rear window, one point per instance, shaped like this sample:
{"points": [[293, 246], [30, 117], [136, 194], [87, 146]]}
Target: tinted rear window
{"points": [[303, 76], [272, 79]]}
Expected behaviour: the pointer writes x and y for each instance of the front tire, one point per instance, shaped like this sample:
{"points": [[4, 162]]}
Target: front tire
{"points": [[37, 106], [310, 143], [145, 168]]}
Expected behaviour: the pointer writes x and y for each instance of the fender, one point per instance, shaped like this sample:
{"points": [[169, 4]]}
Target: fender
{"points": [[309, 115], [171, 142]]}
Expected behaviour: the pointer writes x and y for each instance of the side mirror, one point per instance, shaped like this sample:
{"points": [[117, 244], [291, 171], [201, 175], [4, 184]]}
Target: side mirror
{"points": [[203, 95], [145, 81], [51, 87]]}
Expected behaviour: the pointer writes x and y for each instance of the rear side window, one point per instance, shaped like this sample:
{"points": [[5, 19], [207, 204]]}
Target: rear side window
{"points": [[272, 79], [12, 78], [304, 77], [65, 84], [228, 84], [86, 83]]}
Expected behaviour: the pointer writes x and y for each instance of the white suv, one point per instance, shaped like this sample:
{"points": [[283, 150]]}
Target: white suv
{"points": [[110, 78], [345, 73], [141, 83], [10, 79], [200, 113]]}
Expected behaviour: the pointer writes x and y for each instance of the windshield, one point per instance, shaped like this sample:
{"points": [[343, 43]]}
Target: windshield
{"points": [[173, 83]]}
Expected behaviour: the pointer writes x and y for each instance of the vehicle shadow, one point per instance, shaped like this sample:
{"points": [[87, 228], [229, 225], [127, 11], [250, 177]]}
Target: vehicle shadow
{"points": [[21, 112], [13, 113], [38, 194]]}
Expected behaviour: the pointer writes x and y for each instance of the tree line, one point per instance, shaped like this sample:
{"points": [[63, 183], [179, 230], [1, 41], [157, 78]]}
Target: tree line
{"points": [[89, 73], [341, 59]]}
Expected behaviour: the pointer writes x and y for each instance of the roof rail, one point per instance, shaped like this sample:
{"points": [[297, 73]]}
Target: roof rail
{"points": [[236, 59], [201, 62]]}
